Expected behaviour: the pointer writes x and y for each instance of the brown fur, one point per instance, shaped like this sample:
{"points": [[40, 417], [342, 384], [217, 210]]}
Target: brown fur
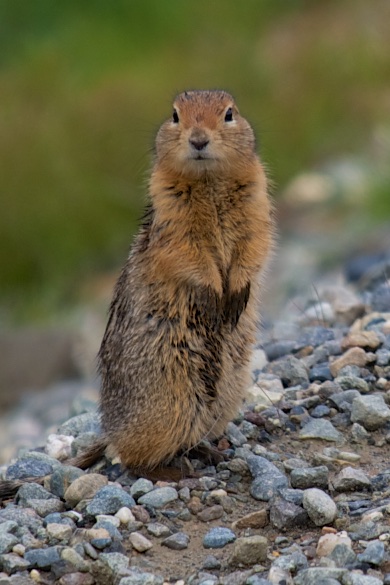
{"points": [[174, 357]]}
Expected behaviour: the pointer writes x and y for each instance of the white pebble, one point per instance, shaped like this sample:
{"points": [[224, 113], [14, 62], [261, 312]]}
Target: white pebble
{"points": [[139, 542], [125, 515], [59, 446]]}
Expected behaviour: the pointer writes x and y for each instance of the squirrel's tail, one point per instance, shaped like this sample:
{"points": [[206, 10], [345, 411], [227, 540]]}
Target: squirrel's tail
{"points": [[9, 487]]}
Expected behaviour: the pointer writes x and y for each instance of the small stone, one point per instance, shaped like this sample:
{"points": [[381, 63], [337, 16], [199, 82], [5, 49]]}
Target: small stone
{"points": [[371, 411], [268, 478], [343, 400], [72, 557], [8, 526], [320, 411], [342, 555], [211, 563], [327, 543], [62, 477], [140, 514], [310, 477], [125, 515], [380, 300], [13, 563], [285, 515], [350, 479], [76, 578], [116, 562], [159, 497], [59, 446], [59, 531], [257, 519], [320, 507], [139, 542], [211, 513], [218, 537], [359, 433], [315, 575], [7, 542], [353, 383], [141, 487], [249, 550], [320, 429], [291, 495], [42, 558], [359, 579], [354, 356], [374, 553], [46, 507], [28, 468], [137, 577], [290, 370], [82, 423], [110, 527], [364, 339], [23, 517], [32, 491], [320, 372], [84, 487], [103, 518], [158, 530], [178, 541], [234, 435], [108, 500]]}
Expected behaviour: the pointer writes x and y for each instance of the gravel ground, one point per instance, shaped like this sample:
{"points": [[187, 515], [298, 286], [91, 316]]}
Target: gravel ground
{"points": [[303, 496]]}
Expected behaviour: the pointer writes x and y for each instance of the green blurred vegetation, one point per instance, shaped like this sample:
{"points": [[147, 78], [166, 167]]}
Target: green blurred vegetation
{"points": [[84, 86]]}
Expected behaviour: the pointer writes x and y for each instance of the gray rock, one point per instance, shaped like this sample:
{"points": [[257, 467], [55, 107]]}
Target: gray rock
{"points": [[291, 495], [108, 500], [291, 563], [82, 423], [359, 433], [290, 370], [380, 300], [62, 477], [141, 487], [8, 526], [343, 400], [158, 530], [285, 515], [308, 477], [218, 537], [159, 497], [178, 541], [358, 579], [137, 577], [42, 558], [353, 383], [23, 517], [371, 411], [374, 553], [313, 575], [320, 411], [32, 491], [367, 530], [115, 561], [319, 506], [268, 478], [234, 435], [382, 357], [46, 507], [257, 580], [249, 550], [7, 542], [211, 563], [319, 428], [342, 555], [28, 468], [350, 479], [13, 563]]}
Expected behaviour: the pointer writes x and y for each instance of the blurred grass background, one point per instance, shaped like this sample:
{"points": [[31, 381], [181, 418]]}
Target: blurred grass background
{"points": [[85, 85]]}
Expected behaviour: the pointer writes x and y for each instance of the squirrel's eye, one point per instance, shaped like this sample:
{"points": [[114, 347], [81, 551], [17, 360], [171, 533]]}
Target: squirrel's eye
{"points": [[175, 117], [229, 115]]}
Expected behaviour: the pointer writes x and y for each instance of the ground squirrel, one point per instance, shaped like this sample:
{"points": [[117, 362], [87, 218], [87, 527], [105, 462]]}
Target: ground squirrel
{"points": [[174, 360]]}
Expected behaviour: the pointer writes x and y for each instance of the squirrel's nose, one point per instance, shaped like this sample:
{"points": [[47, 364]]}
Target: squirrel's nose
{"points": [[199, 143]]}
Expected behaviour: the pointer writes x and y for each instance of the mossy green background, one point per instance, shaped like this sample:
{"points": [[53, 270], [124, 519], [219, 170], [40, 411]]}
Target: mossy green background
{"points": [[85, 84]]}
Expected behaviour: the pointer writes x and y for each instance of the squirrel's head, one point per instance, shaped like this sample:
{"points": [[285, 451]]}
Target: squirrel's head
{"points": [[205, 134]]}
